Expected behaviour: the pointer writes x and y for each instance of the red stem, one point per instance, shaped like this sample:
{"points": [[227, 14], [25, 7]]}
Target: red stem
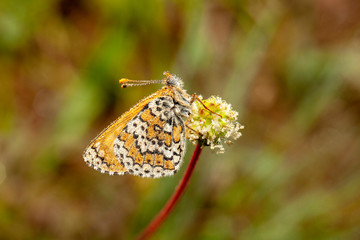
{"points": [[155, 223]]}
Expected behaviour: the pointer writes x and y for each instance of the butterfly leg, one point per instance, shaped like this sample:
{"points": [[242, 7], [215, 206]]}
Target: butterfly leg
{"points": [[198, 133], [195, 97]]}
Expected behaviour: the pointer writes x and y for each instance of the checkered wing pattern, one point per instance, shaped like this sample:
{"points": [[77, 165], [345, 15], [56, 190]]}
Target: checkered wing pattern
{"points": [[152, 144]]}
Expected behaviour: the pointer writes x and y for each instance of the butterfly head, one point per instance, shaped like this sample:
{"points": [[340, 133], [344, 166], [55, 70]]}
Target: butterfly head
{"points": [[173, 80]]}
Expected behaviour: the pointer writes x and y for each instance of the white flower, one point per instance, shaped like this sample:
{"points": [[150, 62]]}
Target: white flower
{"points": [[214, 125]]}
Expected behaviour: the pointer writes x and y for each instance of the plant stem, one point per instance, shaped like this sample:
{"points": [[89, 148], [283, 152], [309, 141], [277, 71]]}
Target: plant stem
{"points": [[155, 223]]}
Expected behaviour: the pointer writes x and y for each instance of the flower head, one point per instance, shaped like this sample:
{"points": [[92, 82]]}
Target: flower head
{"points": [[208, 128]]}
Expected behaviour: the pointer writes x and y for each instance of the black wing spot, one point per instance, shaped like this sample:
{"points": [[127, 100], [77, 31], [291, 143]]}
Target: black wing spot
{"points": [[169, 121], [166, 105], [145, 107]]}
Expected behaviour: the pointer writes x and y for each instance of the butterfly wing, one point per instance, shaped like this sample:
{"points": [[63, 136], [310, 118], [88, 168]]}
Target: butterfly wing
{"points": [[147, 141], [152, 144], [100, 153]]}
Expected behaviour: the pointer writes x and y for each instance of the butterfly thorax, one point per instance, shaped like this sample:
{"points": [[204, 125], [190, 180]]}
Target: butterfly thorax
{"points": [[182, 100]]}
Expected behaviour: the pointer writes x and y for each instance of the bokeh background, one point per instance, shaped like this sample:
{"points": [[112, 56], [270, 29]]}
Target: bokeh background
{"points": [[290, 68]]}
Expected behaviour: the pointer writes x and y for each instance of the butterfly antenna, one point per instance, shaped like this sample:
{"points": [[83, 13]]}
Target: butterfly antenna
{"points": [[131, 83]]}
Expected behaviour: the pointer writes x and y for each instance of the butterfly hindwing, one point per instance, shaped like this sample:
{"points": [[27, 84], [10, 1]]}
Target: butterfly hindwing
{"points": [[152, 144]]}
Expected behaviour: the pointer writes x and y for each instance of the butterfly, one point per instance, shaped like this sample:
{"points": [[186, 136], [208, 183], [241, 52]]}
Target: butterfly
{"points": [[149, 139]]}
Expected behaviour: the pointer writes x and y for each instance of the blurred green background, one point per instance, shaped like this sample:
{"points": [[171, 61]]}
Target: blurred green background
{"points": [[291, 69]]}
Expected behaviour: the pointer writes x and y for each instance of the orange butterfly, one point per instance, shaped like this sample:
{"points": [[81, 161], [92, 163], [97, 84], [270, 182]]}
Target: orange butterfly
{"points": [[149, 139]]}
